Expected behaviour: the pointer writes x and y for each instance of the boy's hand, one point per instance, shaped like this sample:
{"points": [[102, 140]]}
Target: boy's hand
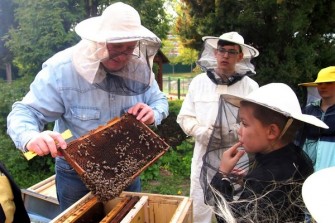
{"points": [[230, 157]]}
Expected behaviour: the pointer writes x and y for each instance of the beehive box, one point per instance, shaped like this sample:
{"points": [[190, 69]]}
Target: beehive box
{"points": [[40, 201], [145, 208]]}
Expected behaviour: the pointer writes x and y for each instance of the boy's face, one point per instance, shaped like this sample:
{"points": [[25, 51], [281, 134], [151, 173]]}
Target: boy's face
{"points": [[326, 90], [227, 56], [252, 133]]}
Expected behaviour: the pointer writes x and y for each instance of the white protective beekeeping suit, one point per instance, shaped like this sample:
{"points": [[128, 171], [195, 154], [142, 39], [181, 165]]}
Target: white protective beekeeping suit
{"points": [[200, 107]]}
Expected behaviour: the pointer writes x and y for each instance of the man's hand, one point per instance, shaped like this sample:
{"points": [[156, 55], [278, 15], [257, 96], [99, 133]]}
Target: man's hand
{"points": [[46, 143], [143, 113]]}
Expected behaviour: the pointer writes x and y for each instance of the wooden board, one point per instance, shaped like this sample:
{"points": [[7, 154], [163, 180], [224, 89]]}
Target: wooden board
{"points": [[150, 208], [46, 188]]}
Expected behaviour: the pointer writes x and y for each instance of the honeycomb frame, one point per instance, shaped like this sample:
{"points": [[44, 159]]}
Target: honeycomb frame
{"points": [[110, 157]]}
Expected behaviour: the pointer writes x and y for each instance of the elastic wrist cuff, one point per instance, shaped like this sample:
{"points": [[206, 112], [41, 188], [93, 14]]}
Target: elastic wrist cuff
{"points": [[224, 176]]}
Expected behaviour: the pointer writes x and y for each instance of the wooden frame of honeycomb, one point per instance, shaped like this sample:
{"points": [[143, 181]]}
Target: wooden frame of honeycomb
{"points": [[110, 157]]}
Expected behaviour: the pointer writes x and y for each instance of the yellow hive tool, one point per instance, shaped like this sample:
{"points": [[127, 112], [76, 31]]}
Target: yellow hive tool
{"points": [[66, 135]]}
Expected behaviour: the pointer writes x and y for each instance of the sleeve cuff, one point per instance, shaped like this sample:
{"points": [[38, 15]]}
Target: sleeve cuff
{"points": [[25, 138]]}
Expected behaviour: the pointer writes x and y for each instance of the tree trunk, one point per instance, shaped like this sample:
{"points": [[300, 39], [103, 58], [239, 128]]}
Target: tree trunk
{"points": [[9, 73]]}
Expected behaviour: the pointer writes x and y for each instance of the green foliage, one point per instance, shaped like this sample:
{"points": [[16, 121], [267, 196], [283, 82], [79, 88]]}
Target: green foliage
{"points": [[152, 172], [174, 106], [177, 160], [6, 21], [153, 15], [45, 27], [11, 92], [170, 175], [26, 173], [187, 56], [295, 38], [36, 169], [169, 49], [177, 53]]}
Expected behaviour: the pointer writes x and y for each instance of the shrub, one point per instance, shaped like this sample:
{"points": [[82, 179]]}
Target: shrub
{"points": [[36, 169]]}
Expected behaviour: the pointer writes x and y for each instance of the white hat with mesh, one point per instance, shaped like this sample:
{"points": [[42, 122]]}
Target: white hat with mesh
{"points": [[280, 98], [119, 23]]}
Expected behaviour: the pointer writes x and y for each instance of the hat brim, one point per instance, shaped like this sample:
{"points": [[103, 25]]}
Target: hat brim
{"points": [[309, 84], [316, 194], [248, 51], [236, 101], [90, 29], [314, 84]]}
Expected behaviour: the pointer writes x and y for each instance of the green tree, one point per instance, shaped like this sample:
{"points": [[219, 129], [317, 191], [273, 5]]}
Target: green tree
{"points": [[153, 15], [187, 56], [44, 27], [176, 48], [169, 49], [6, 21], [295, 38]]}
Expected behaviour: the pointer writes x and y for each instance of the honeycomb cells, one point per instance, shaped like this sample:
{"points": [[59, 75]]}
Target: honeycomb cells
{"points": [[110, 157]]}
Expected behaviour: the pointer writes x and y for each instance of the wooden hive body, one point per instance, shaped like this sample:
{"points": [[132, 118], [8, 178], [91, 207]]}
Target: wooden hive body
{"points": [[129, 207]]}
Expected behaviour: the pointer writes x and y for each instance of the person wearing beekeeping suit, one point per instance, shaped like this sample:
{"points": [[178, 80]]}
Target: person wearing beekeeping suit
{"points": [[108, 73], [226, 62]]}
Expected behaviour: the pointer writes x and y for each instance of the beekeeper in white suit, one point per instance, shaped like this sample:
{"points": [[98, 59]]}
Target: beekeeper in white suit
{"points": [[226, 62]]}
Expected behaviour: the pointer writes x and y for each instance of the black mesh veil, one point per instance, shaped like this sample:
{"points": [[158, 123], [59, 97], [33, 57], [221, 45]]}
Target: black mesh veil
{"points": [[224, 136], [136, 77]]}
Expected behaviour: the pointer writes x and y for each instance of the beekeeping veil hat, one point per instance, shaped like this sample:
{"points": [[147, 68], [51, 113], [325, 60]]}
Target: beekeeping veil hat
{"points": [[233, 37], [208, 61], [316, 196], [119, 23], [280, 98]]}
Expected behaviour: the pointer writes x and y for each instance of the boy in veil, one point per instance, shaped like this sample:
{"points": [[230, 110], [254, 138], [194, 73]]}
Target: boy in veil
{"points": [[271, 189]]}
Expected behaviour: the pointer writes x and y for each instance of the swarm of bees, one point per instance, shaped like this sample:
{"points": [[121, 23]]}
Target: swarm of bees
{"points": [[110, 157]]}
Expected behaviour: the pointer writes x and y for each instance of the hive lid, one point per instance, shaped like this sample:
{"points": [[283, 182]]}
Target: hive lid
{"points": [[110, 157]]}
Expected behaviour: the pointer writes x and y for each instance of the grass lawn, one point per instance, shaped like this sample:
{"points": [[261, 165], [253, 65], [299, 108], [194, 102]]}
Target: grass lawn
{"points": [[167, 183], [178, 81]]}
